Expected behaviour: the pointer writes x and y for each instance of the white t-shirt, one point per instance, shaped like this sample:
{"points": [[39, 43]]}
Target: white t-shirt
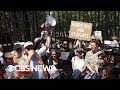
{"points": [[53, 72], [11, 74], [78, 64]]}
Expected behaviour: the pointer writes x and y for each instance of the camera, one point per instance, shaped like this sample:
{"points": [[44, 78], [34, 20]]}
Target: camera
{"points": [[112, 50]]}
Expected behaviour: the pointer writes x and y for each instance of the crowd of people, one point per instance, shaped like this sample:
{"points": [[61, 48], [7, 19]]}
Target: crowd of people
{"points": [[82, 62]]}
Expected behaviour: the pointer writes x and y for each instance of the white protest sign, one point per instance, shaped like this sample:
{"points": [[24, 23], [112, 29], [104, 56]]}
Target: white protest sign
{"points": [[108, 42], [64, 55], [80, 30], [98, 34]]}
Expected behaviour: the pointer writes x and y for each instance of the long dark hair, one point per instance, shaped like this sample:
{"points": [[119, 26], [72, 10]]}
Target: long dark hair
{"points": [[50, 58], [111, 71]]}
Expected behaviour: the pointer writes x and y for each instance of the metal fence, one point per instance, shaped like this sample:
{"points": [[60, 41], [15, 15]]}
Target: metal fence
{"points": [[25, 25]]}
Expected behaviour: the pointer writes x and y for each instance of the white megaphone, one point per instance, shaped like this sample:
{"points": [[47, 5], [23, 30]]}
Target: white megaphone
{"points": [[50, 20]]}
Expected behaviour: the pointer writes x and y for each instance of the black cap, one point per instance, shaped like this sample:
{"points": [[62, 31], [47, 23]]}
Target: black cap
{"points": [[17, 46]]}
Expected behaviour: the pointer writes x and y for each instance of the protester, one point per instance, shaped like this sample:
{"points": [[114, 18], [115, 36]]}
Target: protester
{"points": [[1, 54], [102, 61], [32, 59], [109, 72], [78, 64], [54, 61], [66, 55], [114, 42], [91, 58], [2, 72], [1, 58], [40, 49], [17, 52], [91, 39], [11, 73]]}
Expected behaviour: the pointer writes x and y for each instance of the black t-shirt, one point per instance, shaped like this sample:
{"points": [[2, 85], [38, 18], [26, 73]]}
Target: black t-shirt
{"points": [[66, 64]]}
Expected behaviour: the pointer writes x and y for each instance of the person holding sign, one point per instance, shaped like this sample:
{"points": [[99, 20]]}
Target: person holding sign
{"points": [[66, 56], [91, 59]]}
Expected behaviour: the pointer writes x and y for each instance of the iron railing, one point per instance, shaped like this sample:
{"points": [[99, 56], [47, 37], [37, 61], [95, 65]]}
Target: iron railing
{"points": [[25, 25]]}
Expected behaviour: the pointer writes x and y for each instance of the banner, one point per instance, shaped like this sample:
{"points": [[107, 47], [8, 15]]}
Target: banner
{"points": [[80, 30]]}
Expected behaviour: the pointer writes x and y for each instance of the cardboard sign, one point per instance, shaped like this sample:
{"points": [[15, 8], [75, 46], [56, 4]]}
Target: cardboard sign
{"points": [[64, 55], [98, 34], [80, 30]]}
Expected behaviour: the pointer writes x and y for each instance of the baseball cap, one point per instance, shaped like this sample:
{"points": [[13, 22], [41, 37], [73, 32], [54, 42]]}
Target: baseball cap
{"points": [[8, 55], [27, 44], [17, 46]]}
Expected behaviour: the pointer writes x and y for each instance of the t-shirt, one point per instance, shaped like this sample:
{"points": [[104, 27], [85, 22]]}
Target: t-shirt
{"points": [[53, 72], [11, 74], [78, 64], [33, 63], [26, 74], [92, 59]]}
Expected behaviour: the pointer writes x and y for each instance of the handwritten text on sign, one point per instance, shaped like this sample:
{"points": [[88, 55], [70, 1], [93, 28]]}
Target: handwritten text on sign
{"points": [[80, 30]]}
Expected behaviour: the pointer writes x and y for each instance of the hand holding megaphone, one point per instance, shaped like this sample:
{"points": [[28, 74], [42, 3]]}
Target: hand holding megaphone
{"points": [[50, 21]]}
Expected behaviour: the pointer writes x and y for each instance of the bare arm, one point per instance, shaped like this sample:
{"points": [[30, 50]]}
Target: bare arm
{"points": [[73, 65], [89, 68], [72, 61], [96, 68], [48, 42], [78, 44], [87, 64], [30, 54]]}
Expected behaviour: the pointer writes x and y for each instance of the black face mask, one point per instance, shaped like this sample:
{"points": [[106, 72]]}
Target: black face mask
{"points": [[29, 49]]}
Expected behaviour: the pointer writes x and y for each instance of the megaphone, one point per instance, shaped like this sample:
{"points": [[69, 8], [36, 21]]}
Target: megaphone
{"points": [[50, 20]]}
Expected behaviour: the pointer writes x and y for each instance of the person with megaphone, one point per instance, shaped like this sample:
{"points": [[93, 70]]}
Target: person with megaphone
{"points": [[45, 39]]}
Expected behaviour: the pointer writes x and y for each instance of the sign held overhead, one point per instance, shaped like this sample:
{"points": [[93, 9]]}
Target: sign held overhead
{"points": [[80, 30]]}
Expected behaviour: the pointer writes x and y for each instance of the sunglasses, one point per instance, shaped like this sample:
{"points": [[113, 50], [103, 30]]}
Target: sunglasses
{"points": [[29, 49]]}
